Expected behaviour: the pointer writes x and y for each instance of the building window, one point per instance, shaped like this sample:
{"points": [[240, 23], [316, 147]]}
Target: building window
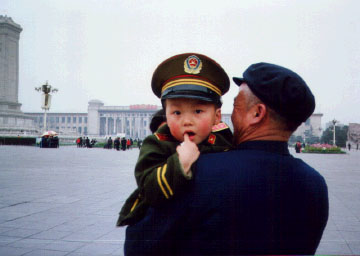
{"points": [[41, 120], [85, 120], [307, 121], [57, 119], [52, 119], [69, 119], [79, 130], [85, 130], [80, 119], [74, 119], [63, 119]]}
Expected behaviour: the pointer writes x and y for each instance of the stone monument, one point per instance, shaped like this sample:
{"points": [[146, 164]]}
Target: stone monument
{"points": [[353, 136], [12, 119]]}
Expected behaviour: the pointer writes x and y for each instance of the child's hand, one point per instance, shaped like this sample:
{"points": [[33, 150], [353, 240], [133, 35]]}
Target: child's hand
{"points": [[188, 153]]}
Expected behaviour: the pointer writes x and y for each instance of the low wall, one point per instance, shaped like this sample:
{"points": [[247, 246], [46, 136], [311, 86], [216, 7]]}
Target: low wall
{"points": [[25, 141]]}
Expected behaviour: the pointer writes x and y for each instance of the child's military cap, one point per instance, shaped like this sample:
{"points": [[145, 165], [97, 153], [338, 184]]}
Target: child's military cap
{"points": [[190, 75]]}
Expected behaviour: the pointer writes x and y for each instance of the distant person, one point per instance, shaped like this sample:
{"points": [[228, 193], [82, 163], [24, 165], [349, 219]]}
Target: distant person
{"points": [[43, 142], [87, 142], [128, 144], [56, 142], [298, 147], [349, 146], [123, 144], [192, 106], [92, 142], [117, 143], [51, 142], [109, 143]]}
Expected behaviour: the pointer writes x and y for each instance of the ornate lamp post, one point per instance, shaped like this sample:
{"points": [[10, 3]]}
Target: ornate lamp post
{"points": [[46, 98], [334, 124]]}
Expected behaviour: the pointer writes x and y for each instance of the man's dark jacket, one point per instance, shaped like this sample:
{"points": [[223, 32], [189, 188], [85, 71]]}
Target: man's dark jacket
{"points": [[257, 199]]}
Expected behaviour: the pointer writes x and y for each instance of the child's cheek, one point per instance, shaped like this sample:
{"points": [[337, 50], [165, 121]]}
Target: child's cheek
{"points": [[175, 131], [205, 127]]}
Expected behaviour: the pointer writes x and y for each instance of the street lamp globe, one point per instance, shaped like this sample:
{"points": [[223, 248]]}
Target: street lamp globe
{"points": [[46, 98]]}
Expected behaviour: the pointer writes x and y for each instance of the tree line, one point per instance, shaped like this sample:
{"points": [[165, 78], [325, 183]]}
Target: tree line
{"points": [[327, 136]]}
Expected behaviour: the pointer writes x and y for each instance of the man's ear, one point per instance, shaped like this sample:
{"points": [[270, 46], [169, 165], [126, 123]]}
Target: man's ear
{"points": [[258, 112], [217, 115]]}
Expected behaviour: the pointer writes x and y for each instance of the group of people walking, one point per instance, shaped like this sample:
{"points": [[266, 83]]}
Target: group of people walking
{"points": [[83, 142], [117, 143], [49, 142], [123, 143]]}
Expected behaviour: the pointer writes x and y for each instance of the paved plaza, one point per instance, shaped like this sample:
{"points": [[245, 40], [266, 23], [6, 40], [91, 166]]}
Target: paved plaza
{"points": [[66, 201]]}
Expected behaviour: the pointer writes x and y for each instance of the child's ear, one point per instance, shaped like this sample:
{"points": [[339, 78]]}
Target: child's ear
{"points": [[217, 115]]}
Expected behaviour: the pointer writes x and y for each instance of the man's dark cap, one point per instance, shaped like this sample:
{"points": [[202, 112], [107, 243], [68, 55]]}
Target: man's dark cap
{"points": [[190, 75], [281, 89]]}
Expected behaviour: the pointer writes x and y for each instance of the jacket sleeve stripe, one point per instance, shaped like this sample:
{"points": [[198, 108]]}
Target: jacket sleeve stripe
{"points": [[133, 207], [160, 185], [165, 181]]}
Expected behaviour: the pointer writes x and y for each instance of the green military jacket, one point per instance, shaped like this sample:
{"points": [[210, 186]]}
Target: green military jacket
{"points": [[158, 172]]}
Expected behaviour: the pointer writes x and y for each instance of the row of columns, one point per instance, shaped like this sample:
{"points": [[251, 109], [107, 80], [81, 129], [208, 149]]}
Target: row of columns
{"points": [[127, 125]]}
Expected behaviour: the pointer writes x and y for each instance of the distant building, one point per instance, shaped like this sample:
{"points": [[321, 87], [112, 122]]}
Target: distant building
{"points": [[354, 135], [12, 119], [100, 121], [226, 118], [312, 126], [131, 121], [63, 123]]}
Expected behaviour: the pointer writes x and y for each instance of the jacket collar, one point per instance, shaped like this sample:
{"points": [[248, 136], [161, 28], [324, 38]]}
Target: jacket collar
{"points": [[279, 147]]}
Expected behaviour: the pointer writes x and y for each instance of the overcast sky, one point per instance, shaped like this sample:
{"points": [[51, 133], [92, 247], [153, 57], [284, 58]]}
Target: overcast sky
{"points": [[108, 49]]}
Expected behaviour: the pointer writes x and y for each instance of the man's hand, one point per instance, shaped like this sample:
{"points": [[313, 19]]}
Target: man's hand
{"points": [[188, 153]]}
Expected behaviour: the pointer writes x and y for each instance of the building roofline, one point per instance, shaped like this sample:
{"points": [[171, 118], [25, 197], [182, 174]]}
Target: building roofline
{"points": [[58, 113]]}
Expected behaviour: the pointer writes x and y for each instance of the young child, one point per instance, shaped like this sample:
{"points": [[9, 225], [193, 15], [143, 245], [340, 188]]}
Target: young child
{"points": [[190, 87]]}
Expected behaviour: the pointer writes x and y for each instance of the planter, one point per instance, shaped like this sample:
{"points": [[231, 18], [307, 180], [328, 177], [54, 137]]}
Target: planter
{"points": [[323, 149]]}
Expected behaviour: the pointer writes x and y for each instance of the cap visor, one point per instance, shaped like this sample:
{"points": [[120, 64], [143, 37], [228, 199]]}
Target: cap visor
{"points": [[188, 96], [238, 80]]}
